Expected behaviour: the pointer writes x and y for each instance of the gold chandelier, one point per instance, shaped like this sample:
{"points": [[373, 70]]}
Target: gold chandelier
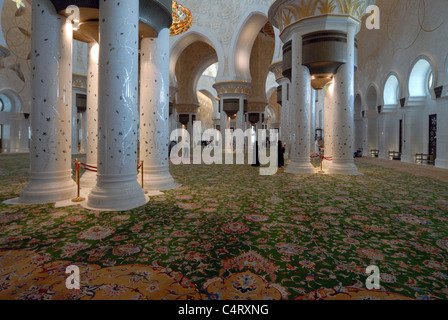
{"points": [[182, 19]]}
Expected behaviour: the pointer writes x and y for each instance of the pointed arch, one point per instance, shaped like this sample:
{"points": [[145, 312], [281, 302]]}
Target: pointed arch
{"points": [[243, 41], [193, 35]]}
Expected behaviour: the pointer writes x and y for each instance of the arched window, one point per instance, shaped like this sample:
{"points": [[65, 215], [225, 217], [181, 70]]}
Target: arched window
{"points": [[421, 79], [2, 105], [391, 91]]}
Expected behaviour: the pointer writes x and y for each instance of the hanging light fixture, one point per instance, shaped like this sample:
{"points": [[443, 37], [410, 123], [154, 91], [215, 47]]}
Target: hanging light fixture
{"points": [[182, 19], [19, 3]]}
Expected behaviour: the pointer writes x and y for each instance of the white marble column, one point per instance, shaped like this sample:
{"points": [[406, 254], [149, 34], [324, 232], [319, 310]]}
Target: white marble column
{"points": [[240, 115], [300, 101], [51, 107], [117, 187], [312, 119], [190, 131], [75, 133], [88, 179], [83, 132], [24, 136], [224, 124], [154, 111], [341, 124], [284, 126]]}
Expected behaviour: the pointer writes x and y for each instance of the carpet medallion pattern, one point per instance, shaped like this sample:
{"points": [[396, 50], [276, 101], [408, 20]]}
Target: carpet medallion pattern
{"points": [[229, 233]]}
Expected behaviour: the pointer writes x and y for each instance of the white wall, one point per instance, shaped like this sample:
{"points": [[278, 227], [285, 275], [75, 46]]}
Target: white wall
{"points": [[408, 32]]}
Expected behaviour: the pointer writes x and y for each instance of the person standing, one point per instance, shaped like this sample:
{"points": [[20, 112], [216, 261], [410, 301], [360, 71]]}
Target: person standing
{"points": [[281, 154]]}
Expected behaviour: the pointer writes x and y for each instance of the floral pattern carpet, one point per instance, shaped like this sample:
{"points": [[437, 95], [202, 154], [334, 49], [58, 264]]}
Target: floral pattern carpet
{"points": [[229, 233]]}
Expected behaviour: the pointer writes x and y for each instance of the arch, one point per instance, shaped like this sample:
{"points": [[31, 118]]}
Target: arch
{"points": [[271, 83], [270, 91], [372, 97], [272, 114], [209, 93], [201, 67], [419, 75], [208, 111], [193, 35], [392, 89], [243, 41], [278, 50], [11, 101]]}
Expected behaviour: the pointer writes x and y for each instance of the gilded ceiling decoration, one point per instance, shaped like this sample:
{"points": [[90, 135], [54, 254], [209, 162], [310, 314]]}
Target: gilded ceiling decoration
{"points": [[19, 3], [182, 19], [288, 12]]}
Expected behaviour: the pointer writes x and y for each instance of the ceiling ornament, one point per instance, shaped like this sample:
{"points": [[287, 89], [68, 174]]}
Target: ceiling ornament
{"points": [[19, 3], [182, 19]]}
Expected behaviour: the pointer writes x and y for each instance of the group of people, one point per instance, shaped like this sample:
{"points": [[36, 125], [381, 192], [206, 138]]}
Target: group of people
{"points": [[280, 160], [280, 155]]}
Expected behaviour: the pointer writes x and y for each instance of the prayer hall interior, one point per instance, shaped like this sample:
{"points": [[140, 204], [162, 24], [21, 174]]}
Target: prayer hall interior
{"points": [[224, 150]]}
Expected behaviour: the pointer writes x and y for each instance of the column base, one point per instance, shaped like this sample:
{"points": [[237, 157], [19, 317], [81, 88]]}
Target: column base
{"points": [[48, 187], [158, 178], [405, 158], [299, 166], [88, 180], [344, 167], [116, 193]]}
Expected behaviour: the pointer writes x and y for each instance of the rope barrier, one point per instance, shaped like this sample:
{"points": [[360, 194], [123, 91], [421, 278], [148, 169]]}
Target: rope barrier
{"points": [[322, 158], [79, 165], [89, 167]]}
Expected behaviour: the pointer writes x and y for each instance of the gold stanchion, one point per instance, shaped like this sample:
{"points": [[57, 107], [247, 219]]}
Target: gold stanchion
{"points": [[78, 182], [141, 168], [321, 163]]}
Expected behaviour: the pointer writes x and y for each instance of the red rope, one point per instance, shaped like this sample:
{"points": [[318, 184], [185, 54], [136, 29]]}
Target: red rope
{"points": [[86, 165], [89, 167]]}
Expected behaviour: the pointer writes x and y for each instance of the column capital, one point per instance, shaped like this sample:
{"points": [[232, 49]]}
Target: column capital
{"points": [[256, 106], [233, 88], [283, 80], [287, 14], [187, 108]]}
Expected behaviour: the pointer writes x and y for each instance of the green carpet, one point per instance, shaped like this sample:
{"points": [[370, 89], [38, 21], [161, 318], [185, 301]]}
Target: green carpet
{"points": [[233, 234]]}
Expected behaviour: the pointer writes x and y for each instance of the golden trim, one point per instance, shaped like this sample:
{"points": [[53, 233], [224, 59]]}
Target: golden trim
{"points": [[317, 17], [223, 82]]}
